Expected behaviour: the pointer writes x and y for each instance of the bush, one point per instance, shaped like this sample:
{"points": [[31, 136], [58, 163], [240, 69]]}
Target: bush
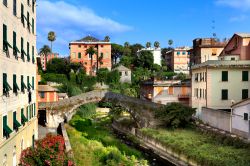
{"points": [[175, 115], [48, 151], [104, 104]]}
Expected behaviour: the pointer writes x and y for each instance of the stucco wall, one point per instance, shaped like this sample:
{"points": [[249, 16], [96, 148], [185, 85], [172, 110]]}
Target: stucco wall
{"points": [[216, 118]]}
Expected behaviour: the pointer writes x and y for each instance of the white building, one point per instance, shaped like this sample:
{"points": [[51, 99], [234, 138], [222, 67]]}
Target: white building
{"points": [[18, 120], [156, 54], [215, 84]]}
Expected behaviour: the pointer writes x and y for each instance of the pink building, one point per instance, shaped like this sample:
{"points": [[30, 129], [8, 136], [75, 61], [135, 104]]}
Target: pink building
{"points": [[45, 59], [238, 48]]}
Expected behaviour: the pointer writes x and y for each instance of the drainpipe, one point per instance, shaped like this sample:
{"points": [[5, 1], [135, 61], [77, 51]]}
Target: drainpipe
{"points": [[206, 85], [231, 115]]}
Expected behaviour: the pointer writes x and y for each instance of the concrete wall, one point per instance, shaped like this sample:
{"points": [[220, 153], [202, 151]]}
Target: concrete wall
{"points": [[125, 76], [216, 118]]}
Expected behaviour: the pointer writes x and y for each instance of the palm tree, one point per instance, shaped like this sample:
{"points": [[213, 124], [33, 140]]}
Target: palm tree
{"points": [[148, 44], [107, 39], [170, 42], [51, 38], [45, 50], [91, 51], [157, 44], [126, 44]]}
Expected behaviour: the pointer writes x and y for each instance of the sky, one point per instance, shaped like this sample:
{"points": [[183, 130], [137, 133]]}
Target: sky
{"points": [[139, 21]]}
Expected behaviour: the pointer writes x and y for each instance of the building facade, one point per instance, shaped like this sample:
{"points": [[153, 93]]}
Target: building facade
{"points": [[178, 60], [164, 92], [238, 48], [156, 54], [18, 122], [205, 49], [44, 59], [125, 74], [217, 84], [47, 94], [78, 53]]}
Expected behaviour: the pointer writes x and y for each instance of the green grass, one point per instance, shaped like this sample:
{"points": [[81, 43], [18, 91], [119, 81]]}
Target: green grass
{"points": [[204, 149], [94, 144]]}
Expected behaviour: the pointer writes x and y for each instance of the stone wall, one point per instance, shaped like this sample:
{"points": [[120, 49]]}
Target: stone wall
{"points": [[216, 118]]}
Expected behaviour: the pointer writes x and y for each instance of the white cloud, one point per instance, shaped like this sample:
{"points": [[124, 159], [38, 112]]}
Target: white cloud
{"points": [[240, 4], [72, 22], [238, 18]]}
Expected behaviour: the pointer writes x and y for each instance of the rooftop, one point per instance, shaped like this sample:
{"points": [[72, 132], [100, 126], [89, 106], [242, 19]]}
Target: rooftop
{"points": [[243, 35], [223, 63], [122, 68], [89, 39], [46, 88]]}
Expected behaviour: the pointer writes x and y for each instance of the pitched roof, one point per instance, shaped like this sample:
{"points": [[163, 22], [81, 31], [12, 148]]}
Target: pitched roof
{"points": [[122, 68], [88, 39], [241, 103], [243, 35], [46, 88]]}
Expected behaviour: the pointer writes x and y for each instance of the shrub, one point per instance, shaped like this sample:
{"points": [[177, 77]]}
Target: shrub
{"points": [[175, 115], [104, 104], [87, 110], [48, 151]]}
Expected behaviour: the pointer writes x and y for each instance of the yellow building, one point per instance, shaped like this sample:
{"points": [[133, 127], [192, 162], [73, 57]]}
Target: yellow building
{"points": [[18, 122], [217, 84]]}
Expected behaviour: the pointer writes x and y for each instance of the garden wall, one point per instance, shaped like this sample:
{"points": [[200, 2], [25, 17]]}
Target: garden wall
{"points": [[216, 118]]}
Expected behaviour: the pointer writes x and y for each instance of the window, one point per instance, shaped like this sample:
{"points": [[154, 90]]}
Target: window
{"points": [[15, 86], [79, 46], [6, 86], [224, 75], [42, 95], [23, 86], [244, 94], [126, 73], [79, 55], [33, 26], [28, 51], [178, 53], [200, 93], [27, 112], [28, 2], [183, 53], [224, 94], [28, 82], [22, 49], [6, 129], [15, 49], [22, 15], [33, 54], [14, 7], [244, 75], [34, 109], [33, 141], [196, 77], [23, 118], [232, 59], [90, 56], [101, 55], [245, 116], [6, 44], [33, 6], [16, 124], [5, 2], [101, 45], [33, 83]]}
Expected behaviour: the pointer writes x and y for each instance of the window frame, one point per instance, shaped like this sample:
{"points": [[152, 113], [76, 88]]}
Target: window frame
{"points": [[224, 94], [224, 78]]}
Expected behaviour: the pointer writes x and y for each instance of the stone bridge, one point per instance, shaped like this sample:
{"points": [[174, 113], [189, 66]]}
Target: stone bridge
{"points": [[140, 110]]}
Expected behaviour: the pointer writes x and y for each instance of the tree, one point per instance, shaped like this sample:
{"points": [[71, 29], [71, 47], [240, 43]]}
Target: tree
{"points": [[59, 66], [175, 115], [116, 52], [156, 44], [135, 48], [126, 44], [91, 51], [170, 42], [51, 38], [127, 61], [102, 75], [75, 66], [107, 39], [145, 60], [148, 44], [45, 50], [113, 77]]}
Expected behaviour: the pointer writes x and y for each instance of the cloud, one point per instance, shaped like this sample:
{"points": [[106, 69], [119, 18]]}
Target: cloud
{"points": [[238, 18], [239, 4], [71, 23]]}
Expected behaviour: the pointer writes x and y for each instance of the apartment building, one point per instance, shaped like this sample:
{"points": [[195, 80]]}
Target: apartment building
{"points": [[47, 94], [78, 53], [238, 48], [178, 59], [44, 59], [217, 84], [18, 122], [205, 49]]}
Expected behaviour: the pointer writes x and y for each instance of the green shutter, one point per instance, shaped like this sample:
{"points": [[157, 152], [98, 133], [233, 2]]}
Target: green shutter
{"points": [[244, 75], [79, 55], [24, 119], [244, 94], [6, 86], [33, 30], [4, 32], [224, 94], [28, 82], [28, 20], [27, 112], [16, 124], [14, 39], [33, 83], [33, 54], [224, 75], [15, 86], [35, 109], [6, 129], [28, 51]]}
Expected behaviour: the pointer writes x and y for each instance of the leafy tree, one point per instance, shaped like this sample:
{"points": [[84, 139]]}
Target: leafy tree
{"points": [[75, 66], [80, 76], [51, 38], [175, 115], [145, 60], [156, 68], [113, 77], [126, 44], [102, 75], [148, 44], [129, 92], [170, 42], [135, 48], [127, 61], [45, 50], [59, 66], [140, 74], [91, 51], [156, 44], [116, 52]]}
